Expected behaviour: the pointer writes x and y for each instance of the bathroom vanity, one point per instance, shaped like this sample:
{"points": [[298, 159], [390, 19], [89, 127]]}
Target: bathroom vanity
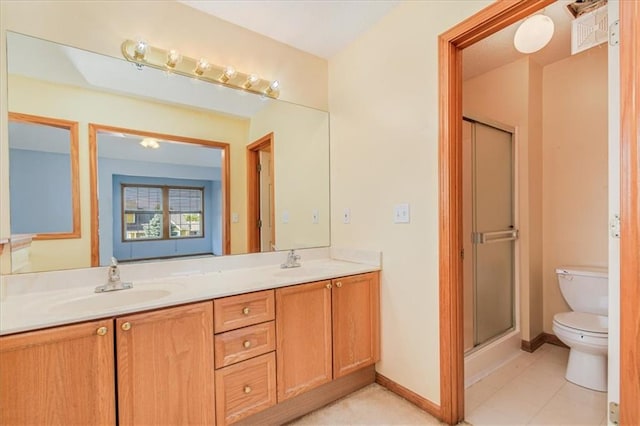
{"points": [[283, 343]]}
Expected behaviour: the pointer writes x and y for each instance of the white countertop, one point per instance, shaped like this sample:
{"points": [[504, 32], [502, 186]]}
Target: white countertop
{"points": [[30, 310]]}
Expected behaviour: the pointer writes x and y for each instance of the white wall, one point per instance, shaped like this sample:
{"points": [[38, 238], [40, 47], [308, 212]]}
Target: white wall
{"points": [[575, 198], [383, 98]]}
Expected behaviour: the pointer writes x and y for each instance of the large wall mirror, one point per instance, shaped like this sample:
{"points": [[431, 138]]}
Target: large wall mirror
{"points": [[171, 166]]}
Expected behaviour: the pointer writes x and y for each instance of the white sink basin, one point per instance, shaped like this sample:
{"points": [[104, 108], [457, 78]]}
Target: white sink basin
{"points": [[108, 300]]}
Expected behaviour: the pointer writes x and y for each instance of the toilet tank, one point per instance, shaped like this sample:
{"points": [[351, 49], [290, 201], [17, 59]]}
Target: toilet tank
{"points": [[584, 288]]}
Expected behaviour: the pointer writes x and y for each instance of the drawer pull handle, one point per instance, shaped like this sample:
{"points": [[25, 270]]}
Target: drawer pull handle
{"points": [[339, 284], [246, 344], [246, 310], [247, 389], [329, 286], [126, 326], [101, 331]]}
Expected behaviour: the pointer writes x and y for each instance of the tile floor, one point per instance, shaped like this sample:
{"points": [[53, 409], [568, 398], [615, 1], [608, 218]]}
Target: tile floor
{"points": [[528, 390]]}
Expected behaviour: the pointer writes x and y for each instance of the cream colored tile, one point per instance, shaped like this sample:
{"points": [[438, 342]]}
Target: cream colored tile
{"points": [[476, 394], [574, 393], [489, 416], [373, 405], [519, 399], [563, 412]]}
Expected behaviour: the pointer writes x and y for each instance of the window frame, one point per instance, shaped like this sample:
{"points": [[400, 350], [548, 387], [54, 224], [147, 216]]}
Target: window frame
{"points": [[166, 213]]}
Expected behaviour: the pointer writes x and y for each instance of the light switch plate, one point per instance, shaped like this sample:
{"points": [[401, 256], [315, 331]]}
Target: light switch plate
{"points": [[315, 216], [401, 213], [235, 217], [346, 215], [285, 216]]}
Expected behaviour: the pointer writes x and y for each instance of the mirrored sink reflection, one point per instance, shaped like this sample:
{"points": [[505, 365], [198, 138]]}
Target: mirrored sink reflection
{"points": [[109, 300]]}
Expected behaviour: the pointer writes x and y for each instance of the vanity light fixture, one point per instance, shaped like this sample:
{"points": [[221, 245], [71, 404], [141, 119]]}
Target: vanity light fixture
{"points": [[533, 34], [150, 143], [143, 54]]}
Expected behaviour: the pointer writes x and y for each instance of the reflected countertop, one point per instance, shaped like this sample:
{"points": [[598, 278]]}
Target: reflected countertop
{"points": [[35, 308]]}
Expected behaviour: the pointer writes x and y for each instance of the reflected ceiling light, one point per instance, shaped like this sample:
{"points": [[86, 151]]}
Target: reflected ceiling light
{"points": [[533, 34], [227, 74], [251, 81], [150, 143], [201, 66], [140, 49], [172, 62], [173, 57]]}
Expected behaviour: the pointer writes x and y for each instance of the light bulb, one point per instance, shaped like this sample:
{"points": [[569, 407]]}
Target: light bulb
{"points": [[227, 74], [202, 66], [251, 80], [140, 50], [173, 57], [273, 88]]}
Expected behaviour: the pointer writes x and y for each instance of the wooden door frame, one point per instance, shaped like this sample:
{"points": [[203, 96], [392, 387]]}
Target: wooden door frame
{"points": [[265, 143], [629, 212], [488, 21], [93, 180]]}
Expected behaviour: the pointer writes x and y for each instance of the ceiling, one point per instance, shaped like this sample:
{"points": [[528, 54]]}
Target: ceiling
{"points": [[323, 28]]}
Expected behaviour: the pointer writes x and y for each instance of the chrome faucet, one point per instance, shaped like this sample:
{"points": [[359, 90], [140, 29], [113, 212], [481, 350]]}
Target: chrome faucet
{"points": [[292, 260], [113, 280]]}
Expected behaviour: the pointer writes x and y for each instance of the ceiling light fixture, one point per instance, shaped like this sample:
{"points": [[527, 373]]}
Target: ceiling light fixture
{"points": [[170, 61], [150, 143], [533, 34]]}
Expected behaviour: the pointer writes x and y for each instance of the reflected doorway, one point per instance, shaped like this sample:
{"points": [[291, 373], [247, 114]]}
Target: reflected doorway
{"points": [[260, 196]]}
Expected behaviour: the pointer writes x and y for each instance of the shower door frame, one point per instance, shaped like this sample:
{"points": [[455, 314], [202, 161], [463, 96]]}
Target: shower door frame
{"points": [[491, 19]]}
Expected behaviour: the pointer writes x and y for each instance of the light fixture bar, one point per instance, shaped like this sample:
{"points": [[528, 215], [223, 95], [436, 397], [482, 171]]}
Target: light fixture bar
{"points": [[171, 61]]}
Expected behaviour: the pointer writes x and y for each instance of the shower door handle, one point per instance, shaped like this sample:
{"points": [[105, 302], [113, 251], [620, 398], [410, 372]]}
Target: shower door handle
{"points": [[495, 236]]}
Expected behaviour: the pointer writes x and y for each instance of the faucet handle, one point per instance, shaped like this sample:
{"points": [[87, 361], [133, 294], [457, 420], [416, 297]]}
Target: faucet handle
{"points": [[114, 261]]}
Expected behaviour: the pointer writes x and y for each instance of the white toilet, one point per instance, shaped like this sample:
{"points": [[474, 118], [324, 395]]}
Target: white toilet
{"points": [[586, 329]]}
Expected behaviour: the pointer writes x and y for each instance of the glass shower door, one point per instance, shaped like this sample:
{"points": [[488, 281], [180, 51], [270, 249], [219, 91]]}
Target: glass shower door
{"points": [[494, 232]]}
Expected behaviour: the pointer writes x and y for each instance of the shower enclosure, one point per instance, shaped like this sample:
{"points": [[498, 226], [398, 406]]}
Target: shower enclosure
{"points": [[489, 233]]}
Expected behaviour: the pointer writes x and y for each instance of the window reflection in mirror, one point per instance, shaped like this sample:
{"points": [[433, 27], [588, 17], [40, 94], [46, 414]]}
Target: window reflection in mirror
{"points": [[44, 182], [157, 196]]}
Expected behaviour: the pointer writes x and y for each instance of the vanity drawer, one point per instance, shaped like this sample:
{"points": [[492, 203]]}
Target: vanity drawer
{"points": [[245, 388], [244, 343], [242, 310]]}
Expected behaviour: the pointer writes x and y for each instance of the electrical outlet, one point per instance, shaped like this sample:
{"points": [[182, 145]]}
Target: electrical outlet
{"points": [[346, 215], [401, 213]]}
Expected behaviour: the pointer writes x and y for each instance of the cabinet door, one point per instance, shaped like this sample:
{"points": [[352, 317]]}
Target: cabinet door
{"points": [[356, 322], [303, 330], [60, 376], [165, 366]]}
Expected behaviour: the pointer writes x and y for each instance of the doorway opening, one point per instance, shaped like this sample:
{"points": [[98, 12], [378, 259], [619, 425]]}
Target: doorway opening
{"points": [[261, 232]]}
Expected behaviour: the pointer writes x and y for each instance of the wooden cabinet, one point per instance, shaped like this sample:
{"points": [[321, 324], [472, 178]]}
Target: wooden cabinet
{"points": [[356, 322], [326, 330], [60, 376], [165, 366], [245, 361], [303, 327]]}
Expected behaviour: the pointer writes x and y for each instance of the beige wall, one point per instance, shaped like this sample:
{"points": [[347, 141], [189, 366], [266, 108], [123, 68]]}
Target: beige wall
{"points": [[575, 169], [102, 26], [383, 99], [511, 95], [58, 101]]}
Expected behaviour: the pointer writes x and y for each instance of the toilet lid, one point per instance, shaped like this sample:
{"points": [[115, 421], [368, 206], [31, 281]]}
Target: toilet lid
{"points": [[581, 321]]}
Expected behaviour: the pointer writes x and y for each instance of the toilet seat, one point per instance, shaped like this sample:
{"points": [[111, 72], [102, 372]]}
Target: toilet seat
{"points": [[590, 324]]}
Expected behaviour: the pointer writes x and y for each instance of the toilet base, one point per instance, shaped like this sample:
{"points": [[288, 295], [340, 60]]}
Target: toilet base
{"points": [[587, 370]]}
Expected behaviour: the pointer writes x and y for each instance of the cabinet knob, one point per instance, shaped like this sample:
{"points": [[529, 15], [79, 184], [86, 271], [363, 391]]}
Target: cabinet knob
{"points": [[246, 344], [339, 284], [102, 331], [126, 326], [247, 389], [329, 285], [246, 310]]}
